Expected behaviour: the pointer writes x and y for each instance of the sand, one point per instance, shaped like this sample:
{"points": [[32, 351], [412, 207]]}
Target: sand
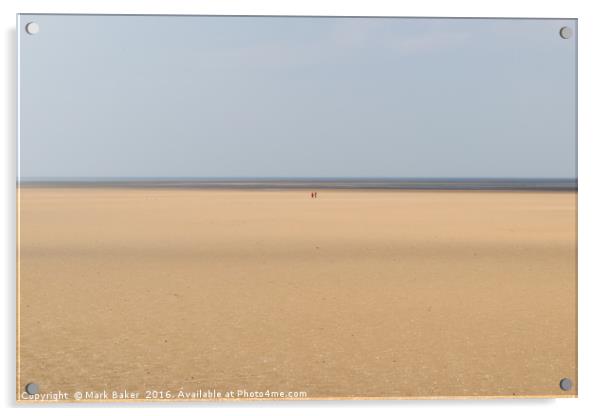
{"points": [[354, 294]]}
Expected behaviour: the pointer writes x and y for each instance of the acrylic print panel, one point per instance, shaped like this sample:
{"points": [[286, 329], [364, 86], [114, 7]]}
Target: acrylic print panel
{"points": [[220, 207]]}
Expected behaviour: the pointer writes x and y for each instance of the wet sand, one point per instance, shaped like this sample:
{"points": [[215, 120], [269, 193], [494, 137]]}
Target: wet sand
{"points": [[353, 294]]}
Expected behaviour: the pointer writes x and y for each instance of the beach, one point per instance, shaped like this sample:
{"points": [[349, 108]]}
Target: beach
{"points": [[355, 293]]}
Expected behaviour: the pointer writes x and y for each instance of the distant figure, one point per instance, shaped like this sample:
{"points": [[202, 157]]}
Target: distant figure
{"points": [[312, 194], [315, 194]]}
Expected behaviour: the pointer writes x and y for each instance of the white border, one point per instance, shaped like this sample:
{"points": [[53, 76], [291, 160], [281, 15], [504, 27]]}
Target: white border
{"points": [[590, 183]]}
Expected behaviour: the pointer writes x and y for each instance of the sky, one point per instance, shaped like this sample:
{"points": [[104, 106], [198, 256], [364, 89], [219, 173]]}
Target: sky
{"points": [[214, 97]]}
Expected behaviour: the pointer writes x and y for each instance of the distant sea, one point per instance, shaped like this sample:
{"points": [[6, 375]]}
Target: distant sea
{"points": [[312, 183]]}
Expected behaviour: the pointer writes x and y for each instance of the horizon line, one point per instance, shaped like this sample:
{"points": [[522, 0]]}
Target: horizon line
{"points": [[361, 183], [292, 178]]}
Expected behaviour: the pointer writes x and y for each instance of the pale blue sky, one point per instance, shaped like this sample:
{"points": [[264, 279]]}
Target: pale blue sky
{"points": [[142, 96]]}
